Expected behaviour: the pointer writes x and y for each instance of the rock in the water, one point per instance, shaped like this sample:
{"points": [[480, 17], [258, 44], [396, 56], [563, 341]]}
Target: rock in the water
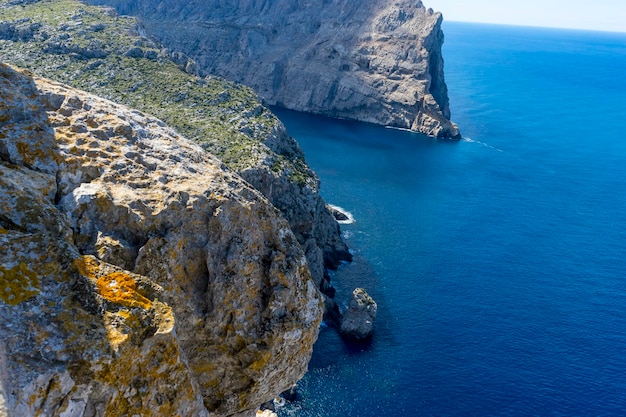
{"points": [[268, 405], [358, 320], [369, 60], [137, 275], [342, 216]]}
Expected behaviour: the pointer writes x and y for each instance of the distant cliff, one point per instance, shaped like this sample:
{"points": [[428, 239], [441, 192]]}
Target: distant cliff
{"points": [[370, 60], [138, 276]]}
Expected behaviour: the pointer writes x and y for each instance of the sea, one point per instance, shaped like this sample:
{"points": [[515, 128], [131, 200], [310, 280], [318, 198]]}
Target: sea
{"points": [[498, 262]]}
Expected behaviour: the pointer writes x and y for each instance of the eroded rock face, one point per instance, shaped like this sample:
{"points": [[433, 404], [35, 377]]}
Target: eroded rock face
{"points": [[371, 60], [310, 220], [358, 320], [137, 275]]}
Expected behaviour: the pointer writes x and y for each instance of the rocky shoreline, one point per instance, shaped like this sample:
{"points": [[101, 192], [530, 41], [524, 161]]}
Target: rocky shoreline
{"points": [[131, 252], [111, 177], [340, 214], [106, 236]]}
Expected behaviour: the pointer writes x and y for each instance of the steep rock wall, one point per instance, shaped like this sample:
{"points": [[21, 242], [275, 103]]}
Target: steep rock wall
{"points": [[371, 60], [138, 276]]}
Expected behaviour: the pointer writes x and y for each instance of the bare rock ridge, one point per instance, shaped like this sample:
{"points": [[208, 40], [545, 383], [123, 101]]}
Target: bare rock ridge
{"points": [[96, 50], [138, 276], [371, 60]]}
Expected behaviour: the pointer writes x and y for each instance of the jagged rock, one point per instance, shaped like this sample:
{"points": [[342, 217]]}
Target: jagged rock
{"points": [[313, 224], [371, 60], [137, 275], [134, 52], [268, 405], [358, 320], [21, 31], [338, 214]]}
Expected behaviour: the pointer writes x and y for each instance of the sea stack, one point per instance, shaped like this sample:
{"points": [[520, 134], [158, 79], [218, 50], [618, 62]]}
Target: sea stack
{"points": [[358, 321], [373, 61]]}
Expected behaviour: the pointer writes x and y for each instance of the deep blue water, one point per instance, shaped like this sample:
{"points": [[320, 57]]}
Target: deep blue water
{"points": [[498, 262]]}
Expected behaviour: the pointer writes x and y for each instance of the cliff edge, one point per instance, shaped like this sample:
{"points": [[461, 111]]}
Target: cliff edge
{"points": [[96, 50], [138, 275], [371, 60]]}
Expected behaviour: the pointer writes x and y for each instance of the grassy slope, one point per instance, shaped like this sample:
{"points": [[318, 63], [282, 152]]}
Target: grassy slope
{"points": [[93, 49]]}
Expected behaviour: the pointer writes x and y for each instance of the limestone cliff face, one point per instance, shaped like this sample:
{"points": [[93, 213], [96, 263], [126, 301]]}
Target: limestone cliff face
{"points": [[138, 276], [369, 60]]}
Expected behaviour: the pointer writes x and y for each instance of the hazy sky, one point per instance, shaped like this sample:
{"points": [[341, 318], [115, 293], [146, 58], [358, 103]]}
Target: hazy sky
{"points": [[607, 15]]}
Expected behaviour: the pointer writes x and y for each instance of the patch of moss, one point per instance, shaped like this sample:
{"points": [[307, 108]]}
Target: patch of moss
{"points": [[18, 284], [261, 362]]}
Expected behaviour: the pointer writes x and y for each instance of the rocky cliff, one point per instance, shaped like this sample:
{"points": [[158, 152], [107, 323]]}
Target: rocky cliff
{"points": [[369, 60], [96, 50], [138, 275]]}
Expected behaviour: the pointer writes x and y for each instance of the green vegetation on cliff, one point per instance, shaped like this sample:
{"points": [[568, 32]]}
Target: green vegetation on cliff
{"points": [[94, 49]]}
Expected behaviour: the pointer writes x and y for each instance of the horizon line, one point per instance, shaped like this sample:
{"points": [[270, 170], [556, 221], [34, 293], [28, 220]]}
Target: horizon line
{"points": [[622, 32]]}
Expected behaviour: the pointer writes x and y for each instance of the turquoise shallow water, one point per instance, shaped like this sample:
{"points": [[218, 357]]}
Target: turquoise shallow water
{"points": [[498, 262]]}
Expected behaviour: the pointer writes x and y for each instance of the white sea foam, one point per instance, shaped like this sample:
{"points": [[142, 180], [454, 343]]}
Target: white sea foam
{"points": [[486, 145], [349, 215], [404, 129]]}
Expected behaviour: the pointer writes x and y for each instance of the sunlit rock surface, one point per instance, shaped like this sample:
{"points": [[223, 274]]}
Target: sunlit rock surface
{"points": [[138, 276], [370, 60]]}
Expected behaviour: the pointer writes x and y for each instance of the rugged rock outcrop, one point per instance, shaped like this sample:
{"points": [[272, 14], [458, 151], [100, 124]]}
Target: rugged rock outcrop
{"points": [[96, 50], [138, 276], [309, 217], [358, 320], [369, 60]]}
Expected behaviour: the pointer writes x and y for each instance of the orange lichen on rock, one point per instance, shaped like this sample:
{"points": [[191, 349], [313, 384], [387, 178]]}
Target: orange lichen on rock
{"points": [[118, 286], [121, 288], [87, 266]]}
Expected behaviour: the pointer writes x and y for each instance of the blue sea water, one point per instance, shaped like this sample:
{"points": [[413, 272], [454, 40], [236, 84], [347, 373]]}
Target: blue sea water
{"points": [[498, 262]]}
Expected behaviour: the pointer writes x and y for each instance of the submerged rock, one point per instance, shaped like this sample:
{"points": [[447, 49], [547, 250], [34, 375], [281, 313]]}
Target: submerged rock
{"points": [[138, 276], [358, 320]]}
